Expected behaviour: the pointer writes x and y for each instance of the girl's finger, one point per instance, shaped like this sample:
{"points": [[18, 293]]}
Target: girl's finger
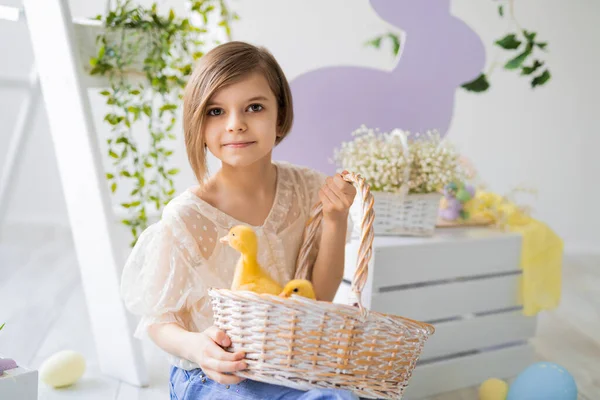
{"points": [[216, 352], [224, 366], [333, 197], [345, 187], [223, 379], [218, 336], [324, 198]]}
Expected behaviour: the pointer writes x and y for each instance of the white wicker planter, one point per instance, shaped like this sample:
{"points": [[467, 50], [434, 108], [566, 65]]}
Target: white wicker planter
{"points": [[411, 215], [86, 31]]}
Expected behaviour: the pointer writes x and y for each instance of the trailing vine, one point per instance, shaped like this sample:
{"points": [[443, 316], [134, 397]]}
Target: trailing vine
{"points": [[147, 58], [522, 51]]}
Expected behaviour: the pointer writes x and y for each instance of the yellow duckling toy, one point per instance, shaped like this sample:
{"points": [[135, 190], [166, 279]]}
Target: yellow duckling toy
{"points": [[300, 287], [249, 275]]}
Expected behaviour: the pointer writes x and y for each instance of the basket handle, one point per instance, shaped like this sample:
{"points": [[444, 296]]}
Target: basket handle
{"points": [[365, 251]]}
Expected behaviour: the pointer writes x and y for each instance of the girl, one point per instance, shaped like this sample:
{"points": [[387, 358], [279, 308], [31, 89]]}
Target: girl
{"points": [[238, 105]]}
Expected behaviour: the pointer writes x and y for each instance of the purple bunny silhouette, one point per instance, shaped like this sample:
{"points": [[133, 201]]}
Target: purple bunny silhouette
{"points": [[439, 54]]}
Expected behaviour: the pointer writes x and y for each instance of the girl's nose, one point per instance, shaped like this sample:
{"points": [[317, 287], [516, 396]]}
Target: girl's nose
{"points": [[236, 123]]}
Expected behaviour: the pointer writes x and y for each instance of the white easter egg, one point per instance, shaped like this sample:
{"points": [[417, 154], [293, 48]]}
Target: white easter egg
{"points": [[62, 369]]}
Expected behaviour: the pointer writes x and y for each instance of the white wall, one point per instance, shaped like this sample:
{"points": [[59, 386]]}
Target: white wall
{"points": [[545, 139], [502, 131]]}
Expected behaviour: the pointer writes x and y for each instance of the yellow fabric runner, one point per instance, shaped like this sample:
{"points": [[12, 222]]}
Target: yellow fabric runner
{"points": [[541, 252]]}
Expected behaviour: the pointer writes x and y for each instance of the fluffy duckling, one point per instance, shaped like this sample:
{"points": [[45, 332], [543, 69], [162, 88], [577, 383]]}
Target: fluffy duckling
{"points": [[249, 275], [300, 287]]}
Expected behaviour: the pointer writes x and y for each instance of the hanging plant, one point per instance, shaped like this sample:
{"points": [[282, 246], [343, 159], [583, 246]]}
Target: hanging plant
{"points": [[522, 52], [147, 58]]}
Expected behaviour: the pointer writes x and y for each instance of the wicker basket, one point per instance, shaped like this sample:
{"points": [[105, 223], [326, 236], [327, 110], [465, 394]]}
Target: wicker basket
{"points": [[409, 215], [305, 344]]}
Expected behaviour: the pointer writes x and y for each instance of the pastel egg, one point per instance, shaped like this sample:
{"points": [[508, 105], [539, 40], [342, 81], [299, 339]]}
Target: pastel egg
{"points": [[493, 389], [62, 369]]}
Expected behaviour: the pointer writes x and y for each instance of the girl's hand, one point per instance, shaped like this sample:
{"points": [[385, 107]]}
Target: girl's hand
{"points": [[214, 361], [337, 196]]}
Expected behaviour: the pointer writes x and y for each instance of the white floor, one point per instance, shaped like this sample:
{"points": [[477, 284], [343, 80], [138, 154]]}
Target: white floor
{"points": [[42, 303]]}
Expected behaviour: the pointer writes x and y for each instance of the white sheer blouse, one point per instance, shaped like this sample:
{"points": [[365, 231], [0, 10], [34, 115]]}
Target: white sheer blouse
{"points": [[175, 260]]}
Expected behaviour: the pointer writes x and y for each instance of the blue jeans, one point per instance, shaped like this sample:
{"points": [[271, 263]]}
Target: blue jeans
{"points": [[195, 385]]}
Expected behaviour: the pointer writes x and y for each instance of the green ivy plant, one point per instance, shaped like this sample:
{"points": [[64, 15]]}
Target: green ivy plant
{"points": [[147, 58], [393, 37], [522, 48]]}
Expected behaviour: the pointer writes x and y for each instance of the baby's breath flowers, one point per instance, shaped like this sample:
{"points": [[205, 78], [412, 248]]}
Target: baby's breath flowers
{"points": [[382, 158]]}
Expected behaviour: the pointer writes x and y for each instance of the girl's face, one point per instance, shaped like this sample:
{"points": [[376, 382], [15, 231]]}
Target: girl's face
{"points": [[240, 125]]}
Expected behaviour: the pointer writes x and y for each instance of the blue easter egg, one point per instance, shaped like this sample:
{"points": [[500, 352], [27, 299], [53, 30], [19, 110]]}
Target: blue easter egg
{"points": [[543, 381]]}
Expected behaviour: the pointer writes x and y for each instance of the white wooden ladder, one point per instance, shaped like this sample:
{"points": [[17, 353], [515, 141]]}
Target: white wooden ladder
{"points": [[58, 79]]}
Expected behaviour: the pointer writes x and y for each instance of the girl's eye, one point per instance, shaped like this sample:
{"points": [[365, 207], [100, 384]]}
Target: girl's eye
{"points": [[255, 107], [215, 112]]}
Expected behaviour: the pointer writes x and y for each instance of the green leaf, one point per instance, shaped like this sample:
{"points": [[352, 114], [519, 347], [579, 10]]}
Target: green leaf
{"points": [[112, 154], [479, 84], [93, 61], [168, 107], [109, 176], [113, 187], [542, 45], [147, 164], [171, 15], [105, 93], [101, 52], [376, 42], [395, 43], [518, 60], [529, 70], [501, 10], [541, 79], [134, 92], [126, 222], [530, 36], [2, 326], [126, 205], [173, 171], [125, 174], [135, 204], [508, 42]]}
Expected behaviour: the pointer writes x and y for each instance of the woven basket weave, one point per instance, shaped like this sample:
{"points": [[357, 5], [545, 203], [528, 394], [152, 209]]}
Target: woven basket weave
{"points": [[406, 215], [305, 344]]}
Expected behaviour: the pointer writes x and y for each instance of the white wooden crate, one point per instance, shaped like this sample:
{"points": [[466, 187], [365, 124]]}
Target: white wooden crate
{"points": [[19, 383], [465, 282]]}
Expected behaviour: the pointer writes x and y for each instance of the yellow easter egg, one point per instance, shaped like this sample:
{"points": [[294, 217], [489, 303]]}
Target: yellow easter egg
{"points": [[62, 369], [493, 389]]}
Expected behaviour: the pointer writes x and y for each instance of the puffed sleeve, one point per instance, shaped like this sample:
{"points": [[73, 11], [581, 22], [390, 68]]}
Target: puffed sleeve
{"points": [[161, 275]]}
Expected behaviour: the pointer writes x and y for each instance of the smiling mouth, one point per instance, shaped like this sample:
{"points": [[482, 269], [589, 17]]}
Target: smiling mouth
{"points": [[237, 145]]}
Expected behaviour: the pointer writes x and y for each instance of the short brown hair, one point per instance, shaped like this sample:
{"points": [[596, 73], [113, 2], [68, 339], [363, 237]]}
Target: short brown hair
{"points": [[222, 66]]}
